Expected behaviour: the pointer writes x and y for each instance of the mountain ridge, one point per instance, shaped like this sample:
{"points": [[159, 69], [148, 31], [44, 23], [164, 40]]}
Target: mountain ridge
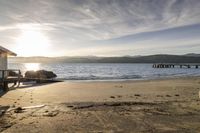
{"points": [[158, 58]]}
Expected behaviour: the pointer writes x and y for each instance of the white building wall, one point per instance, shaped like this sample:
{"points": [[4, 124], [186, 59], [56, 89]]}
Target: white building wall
{"points": [[3, 63]]}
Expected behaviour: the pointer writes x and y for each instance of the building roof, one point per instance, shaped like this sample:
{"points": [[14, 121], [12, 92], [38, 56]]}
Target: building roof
{"points": [[4, 50]]}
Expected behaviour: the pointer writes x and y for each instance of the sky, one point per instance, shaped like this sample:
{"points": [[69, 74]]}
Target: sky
{"points": [[100, 27]]}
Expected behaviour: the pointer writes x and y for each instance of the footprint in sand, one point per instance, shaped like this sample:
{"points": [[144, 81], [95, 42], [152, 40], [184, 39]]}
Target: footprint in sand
{"points": [[119, 86], [31, 99], [168, 96], [119, 96], [159, 96]]}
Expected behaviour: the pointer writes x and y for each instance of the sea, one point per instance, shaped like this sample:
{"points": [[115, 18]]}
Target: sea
{"points": [[105, 71]]}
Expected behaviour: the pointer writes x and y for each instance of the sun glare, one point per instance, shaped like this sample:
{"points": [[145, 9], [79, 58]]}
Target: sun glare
{"points": [[32, 66], [32, 42]]}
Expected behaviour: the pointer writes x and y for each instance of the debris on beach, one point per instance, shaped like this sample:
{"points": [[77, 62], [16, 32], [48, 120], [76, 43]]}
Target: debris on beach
{"points": [[51, 114], [3, 109], [7, 125], [18, 110], [112, 96], [111, 104], [137, 95], [84, 106], [177, 95], [70, 106], [168, 96], [22, 109], [2, 112], [31, 107]]}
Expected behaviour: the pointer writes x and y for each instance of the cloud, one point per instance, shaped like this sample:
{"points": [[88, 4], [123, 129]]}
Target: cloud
{"points": [[104, 18], [83, 21]]}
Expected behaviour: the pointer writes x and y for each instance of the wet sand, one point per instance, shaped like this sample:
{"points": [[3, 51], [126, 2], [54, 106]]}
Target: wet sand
{"points": [[168, 105]]}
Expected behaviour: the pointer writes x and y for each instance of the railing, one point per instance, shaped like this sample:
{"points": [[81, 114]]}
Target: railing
{"points": [[9, 76], [10, 73]]}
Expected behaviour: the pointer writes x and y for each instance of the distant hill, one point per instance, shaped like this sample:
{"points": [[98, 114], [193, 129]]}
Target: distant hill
{"points": [[193, 55], [188, 58]]}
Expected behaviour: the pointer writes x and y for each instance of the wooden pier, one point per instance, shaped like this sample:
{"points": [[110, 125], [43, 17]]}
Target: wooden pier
{"points": [[178, 65], [6, 78]]}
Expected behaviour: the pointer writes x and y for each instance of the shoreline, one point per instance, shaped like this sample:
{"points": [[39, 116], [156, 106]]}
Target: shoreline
{"points": [[132, 80]]}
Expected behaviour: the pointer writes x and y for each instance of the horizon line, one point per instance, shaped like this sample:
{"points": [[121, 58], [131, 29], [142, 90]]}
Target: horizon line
{"points": [[100, 56]]}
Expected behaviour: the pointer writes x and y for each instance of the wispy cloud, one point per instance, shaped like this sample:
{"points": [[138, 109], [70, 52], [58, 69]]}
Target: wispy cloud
{"points": [[84, 21]]}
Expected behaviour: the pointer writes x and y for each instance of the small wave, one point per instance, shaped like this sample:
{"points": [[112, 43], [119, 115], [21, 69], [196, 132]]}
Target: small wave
{"points": [[92, 77]]}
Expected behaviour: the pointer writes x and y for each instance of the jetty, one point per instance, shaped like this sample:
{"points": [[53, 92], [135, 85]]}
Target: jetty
{"points": [[176, 65]]}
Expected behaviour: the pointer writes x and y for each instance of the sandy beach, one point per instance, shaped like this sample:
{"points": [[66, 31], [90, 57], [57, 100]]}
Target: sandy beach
{"points": [[167, 105]]}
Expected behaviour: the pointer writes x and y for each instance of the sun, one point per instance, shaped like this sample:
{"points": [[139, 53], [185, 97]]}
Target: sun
{"points": [[32, 42]]}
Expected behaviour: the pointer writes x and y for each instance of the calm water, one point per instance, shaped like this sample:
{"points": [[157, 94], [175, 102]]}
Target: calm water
{"points": [[92, 71]]}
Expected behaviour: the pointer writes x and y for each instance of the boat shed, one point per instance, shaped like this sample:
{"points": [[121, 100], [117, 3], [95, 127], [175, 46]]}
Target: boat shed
{"points": [[4, 53]]}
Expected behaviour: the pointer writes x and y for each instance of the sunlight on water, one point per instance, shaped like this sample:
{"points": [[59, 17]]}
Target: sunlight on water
{"points": [[32, 66]]}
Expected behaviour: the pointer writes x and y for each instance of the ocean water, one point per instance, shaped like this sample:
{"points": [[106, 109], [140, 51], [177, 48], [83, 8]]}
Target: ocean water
{"points": [[107, 71]]}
